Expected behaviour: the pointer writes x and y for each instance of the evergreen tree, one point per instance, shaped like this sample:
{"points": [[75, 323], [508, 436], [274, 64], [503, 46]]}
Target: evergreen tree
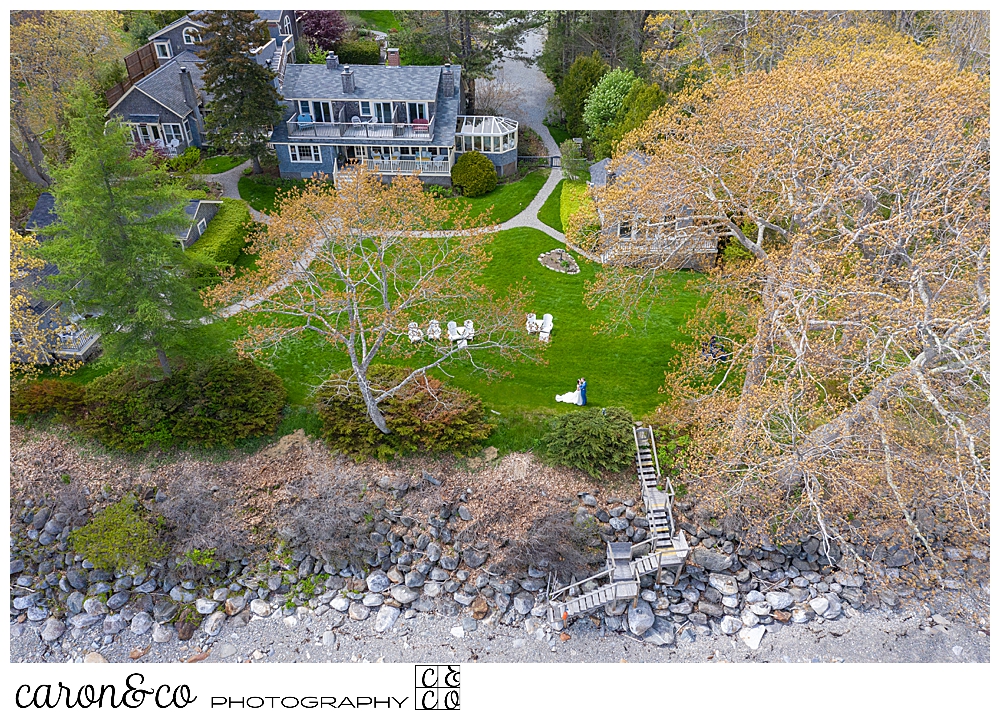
{"points": [[573, 92], [116, 242], [245, 104]]}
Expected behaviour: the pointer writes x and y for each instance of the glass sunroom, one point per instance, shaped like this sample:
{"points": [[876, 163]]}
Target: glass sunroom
{"points": [[485, 133]]}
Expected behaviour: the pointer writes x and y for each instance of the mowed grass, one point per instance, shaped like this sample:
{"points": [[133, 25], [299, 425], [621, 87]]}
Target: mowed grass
{"points": [[382, 20], [259, 191], [620, 371], [218, 164], [506, 200], [549, 212], [559, 133]]}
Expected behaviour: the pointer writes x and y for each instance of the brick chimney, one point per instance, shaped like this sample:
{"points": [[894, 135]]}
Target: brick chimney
{"points": [[187, 86], [392, 57], [347, 78], [448, 81], [332, 61]]}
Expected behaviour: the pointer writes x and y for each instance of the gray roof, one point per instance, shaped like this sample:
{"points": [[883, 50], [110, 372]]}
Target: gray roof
{"points": [[371, 82], [43, 214], [599, 172], [271, 16], [446, 114], [164, 83]]}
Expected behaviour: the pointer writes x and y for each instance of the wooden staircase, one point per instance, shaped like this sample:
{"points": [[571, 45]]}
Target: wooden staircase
{"points": [[666, 548]]}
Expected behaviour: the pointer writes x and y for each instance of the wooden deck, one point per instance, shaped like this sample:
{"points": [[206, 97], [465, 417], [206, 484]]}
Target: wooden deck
{"points": [[663, 553]]}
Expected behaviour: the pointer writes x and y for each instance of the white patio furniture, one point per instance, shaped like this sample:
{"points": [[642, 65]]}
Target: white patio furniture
{"points": [[456, 334], [470, 331], [546, 329], [434, 330], [532, 324], [414, 332]]}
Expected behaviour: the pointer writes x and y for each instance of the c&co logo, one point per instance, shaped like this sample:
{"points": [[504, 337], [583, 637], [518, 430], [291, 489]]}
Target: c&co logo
{"points": [[438, 687]]}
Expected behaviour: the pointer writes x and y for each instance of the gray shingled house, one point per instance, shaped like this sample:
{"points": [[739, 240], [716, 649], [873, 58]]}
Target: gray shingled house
{"points": [[166, 107], [398, 120], [628, 236]]}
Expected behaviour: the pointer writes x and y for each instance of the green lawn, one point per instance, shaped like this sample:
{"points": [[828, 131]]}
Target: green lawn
{"points": [[382, 20], [507, 200], [549, 212], [218, 164], [259, 191], [625, 371], [559, 133]]}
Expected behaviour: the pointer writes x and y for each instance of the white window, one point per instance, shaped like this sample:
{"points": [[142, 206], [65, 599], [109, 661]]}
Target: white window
{"points": [[366, 107], [191, 36], [163, 50], [202, 225], [304, 154], [288, 25], [304, 107], [172, 132], [146, 133]]}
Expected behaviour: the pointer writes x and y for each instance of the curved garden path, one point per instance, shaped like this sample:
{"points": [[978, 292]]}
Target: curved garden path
{"points": [[536, 89]]}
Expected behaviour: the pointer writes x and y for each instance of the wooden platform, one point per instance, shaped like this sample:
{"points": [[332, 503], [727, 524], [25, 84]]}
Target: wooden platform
{"points": [[663, 553]]}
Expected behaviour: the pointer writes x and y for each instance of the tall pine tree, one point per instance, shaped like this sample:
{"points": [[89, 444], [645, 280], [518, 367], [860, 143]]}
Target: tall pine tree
{"points": [[245, 104], [116, 242]]}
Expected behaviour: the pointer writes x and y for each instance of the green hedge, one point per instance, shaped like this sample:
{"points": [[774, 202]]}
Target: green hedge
{"points": [[427, 418], [591, 439], [574, 195], [474, 174], [226, 233], [211, 403], [47, 395], [359, 52]]}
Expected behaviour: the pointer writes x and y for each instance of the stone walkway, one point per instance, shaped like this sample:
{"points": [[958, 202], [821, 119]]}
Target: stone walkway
{"points": [[230, 182], [536, 88]]}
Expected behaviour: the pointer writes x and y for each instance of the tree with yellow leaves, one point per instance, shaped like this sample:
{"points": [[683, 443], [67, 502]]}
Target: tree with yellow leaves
{"points": [[853, 391], [376, 271], [34, 333], [50, 51]]}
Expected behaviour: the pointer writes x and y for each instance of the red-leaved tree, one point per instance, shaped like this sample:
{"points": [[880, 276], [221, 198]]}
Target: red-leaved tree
{"points": [[326, 28]]}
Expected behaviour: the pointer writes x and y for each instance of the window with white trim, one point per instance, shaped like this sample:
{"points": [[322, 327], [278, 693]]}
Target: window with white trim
{"points": [[304, 154], [288, 25], [173, 132], [366, 107], [191, 36], [202, 225], [163, 50]]}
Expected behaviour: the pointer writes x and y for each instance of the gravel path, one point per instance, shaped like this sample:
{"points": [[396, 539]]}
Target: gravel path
{"points": [[879, 636], [537, 90], [230, 180]]}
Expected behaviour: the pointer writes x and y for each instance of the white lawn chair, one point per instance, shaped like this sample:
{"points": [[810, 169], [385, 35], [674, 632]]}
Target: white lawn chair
{"points": [[434, 330], [413, 331], [456, 333], [532, 324], [470, 331], [546, 329]]}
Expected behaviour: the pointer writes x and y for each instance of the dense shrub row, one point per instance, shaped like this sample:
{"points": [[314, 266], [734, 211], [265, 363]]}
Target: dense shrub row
{"points": [[474, 174], [359, 52], [48, 395], [209, 404], [424, 416], [226, 233]]}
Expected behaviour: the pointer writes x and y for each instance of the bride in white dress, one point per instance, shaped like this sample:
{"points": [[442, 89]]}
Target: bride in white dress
{"points": [[573, 397]]}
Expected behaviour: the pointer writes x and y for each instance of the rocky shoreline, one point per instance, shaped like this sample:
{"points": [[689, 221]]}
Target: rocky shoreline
{"points": [[412, 566]]}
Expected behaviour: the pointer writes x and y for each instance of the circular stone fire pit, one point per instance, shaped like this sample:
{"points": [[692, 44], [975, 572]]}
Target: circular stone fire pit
{"points": [[559, 260]]}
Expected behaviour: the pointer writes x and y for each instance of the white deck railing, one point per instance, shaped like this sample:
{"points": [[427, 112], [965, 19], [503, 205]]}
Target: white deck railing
{"points": [[361, 130]]}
